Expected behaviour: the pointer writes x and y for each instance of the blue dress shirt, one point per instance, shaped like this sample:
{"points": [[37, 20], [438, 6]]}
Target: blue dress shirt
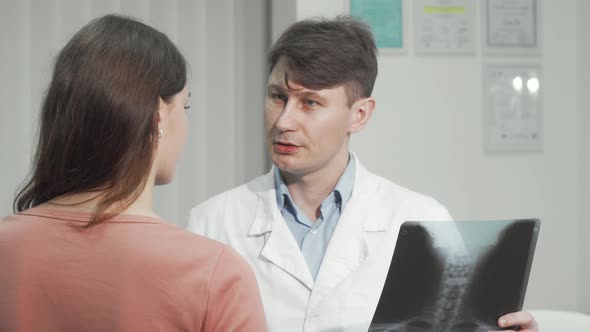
{"points": [[313, 237]]}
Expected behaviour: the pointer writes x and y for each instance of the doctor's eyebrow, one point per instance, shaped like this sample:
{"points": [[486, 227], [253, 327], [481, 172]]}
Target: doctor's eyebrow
{"points": [[302, 93], [310, 95], [275, 87]]}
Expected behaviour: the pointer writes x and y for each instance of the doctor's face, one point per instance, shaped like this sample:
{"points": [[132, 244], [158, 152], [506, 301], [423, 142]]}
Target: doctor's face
{"points": [[307, 130]]}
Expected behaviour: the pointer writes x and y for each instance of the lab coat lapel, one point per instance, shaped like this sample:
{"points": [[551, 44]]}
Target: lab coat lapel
{"points": [[348, 247], [280, 247]]}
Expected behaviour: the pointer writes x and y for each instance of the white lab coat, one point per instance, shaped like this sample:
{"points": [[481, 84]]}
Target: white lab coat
{"points": [[348, 285]]}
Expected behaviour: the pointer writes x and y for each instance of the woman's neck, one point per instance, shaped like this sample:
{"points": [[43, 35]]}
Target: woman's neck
{"points": [[87, 202]]}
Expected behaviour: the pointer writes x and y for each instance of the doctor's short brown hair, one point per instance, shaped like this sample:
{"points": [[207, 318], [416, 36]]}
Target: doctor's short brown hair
{"points": [[324, 53]]}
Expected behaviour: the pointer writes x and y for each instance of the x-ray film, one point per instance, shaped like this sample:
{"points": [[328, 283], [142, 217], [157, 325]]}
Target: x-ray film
{"points": [[457, 276]]}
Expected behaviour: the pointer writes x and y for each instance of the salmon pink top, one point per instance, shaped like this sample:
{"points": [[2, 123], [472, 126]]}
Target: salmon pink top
{"points": [[130, 273]]}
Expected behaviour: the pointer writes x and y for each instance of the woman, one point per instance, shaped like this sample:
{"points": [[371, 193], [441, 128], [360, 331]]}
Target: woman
{"points": [[85, 251]]}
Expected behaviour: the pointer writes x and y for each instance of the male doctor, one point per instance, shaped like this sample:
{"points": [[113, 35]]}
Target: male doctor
{"points": [[319, 229]]}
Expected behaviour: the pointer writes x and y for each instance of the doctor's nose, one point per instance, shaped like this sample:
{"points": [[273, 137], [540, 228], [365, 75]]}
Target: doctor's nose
{"points": [[287, 120]]}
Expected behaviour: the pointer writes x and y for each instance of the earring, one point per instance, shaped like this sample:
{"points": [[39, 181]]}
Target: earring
{"points": [[160, 132]]}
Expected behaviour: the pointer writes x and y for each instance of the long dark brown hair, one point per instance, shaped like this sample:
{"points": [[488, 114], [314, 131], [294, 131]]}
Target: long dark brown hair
{"points": [[99, 119]]}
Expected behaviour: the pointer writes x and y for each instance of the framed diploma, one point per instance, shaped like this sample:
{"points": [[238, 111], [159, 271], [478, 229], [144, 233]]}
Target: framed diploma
{"points": [[444, 27], [511, 27], [387, 21], [512, 104]]}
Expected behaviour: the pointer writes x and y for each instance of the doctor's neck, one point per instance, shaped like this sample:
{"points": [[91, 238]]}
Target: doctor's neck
{"points": [[309, 190]]}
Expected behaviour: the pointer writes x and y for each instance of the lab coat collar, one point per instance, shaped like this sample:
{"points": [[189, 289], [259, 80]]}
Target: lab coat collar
{"points": [[365, 188], [347, 248], [365, 185], [280, 247], [267, 204]]}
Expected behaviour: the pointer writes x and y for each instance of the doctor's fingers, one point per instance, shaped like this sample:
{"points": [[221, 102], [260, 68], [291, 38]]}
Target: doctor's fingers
{"points": [[524, 319]]}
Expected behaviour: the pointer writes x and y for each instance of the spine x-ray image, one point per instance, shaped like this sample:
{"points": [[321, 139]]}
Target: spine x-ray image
{"points": [[456, 276]]}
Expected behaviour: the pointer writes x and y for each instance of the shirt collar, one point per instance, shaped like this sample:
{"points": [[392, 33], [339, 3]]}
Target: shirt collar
{"points": [[282, 191], [342, 191], [346, 183]]}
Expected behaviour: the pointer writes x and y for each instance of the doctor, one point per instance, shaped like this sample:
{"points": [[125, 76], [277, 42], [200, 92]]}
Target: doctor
{"points": [[319, 229]]}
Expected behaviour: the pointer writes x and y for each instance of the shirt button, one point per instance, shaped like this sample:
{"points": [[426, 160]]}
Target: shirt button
{"points": [[313, 231]]}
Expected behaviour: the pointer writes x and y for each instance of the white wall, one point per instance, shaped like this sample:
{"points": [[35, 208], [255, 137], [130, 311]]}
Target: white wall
{"points": [[17, 122], [223, 41], [426, 134], [583, 84]]}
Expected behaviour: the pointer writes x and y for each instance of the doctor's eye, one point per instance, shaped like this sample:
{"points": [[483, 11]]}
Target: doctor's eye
{"points": [[278, 98], [309, 103]]}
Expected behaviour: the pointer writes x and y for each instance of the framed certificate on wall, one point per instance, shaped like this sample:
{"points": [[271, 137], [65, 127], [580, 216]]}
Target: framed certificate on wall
{"points": [[511, 27], [387, 21], [512, 104], [444, 27]]}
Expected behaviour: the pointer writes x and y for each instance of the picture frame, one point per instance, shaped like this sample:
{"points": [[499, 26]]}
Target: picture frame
{"points": [[444, 27], [388, 22], [511, 27], [512, 106]]}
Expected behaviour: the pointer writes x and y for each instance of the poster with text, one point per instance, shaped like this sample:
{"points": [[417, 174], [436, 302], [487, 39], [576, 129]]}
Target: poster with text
{"points": [[444, 27], [512, 108], [386, 19]]}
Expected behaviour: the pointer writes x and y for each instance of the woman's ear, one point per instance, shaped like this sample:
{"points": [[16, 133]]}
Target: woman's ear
{"points": [[361, 113], [162, 118], [162, 111]]}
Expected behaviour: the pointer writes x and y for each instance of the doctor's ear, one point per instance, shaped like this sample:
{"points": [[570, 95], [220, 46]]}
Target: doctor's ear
{"points": [[361, 112]]}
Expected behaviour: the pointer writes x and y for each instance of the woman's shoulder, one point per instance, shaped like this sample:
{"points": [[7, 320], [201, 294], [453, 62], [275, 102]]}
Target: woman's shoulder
{"points": [[176, 241], [169, 252]]}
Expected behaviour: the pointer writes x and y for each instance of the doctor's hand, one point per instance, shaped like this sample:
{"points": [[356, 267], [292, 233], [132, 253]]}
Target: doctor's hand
{"points": [[523, 319]]}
